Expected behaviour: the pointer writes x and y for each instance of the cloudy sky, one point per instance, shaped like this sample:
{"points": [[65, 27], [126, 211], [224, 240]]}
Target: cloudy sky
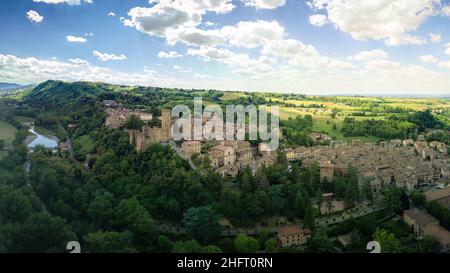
{"points": [[311, 46]]}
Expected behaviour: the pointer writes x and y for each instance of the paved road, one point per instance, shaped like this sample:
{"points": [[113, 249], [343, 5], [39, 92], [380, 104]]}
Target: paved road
{"points": [[356, 212]]}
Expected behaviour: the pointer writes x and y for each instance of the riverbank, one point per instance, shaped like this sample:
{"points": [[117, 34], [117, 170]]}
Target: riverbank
{"points": [[36, 139]]}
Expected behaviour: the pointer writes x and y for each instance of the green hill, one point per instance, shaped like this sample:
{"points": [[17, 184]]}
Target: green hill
{"points": [[54, 94]]}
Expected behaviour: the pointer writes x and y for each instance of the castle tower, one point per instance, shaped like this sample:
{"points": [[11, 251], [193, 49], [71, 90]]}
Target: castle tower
{"points": [[166, 124], [166, 118]]}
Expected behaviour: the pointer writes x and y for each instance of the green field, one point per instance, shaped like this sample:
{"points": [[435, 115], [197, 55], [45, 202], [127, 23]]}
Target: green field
{"points": [[232, 96], [7, 133], [324, 123]]}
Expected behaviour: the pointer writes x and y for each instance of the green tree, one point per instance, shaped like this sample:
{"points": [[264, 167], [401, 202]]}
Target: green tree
{"points": [[43, 233], [271, 246], [133, 123], [164, 244], [391, 201], [264, 235], [428, 245], [418, 198], [387, 240], [109, 242], [309, 220], [187, 247], [246, 244], [100, 209], [366, 191], [131, 215], [320, 241], [202, 224], [319, 197], [211, 249], [301, 202]]}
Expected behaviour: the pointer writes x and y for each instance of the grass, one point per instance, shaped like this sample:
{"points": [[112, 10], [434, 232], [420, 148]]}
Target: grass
{"points": [[232, 96], [323, 122], [7, 133]]}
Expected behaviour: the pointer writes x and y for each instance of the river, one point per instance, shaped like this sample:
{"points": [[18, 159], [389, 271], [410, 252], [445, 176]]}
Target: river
{"points": [[49, 142]]}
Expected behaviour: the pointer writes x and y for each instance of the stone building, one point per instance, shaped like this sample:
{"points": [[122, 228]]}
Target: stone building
{"points": [[418, 220], [116, 117], [191, 147], [293, 236], [222, 155], [426, 225], [150, 135], [441, 196]]}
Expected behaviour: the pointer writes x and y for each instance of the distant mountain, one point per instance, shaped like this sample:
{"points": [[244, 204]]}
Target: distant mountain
{"points": [[9, 86]]}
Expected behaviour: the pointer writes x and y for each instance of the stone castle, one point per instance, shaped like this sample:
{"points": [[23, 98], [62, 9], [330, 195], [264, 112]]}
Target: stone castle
{"points": [[117, 115], [150, 135]]}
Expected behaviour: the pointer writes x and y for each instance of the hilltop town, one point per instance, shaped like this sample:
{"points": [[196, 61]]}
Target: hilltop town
{"points": [[411, 165], [407, 164], [338, 179]]}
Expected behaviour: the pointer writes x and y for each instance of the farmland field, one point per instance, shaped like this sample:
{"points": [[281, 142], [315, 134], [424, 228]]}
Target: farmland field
{"points": [[324, 122], [231, 96]]}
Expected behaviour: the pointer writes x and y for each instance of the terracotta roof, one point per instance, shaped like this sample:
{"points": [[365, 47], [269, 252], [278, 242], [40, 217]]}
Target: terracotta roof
{"points": [[438, 194], [292, 230], [438, 232], [420, 217]]}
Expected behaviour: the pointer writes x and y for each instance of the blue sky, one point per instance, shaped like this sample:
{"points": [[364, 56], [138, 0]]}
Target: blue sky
{"points": [[315, 46]]}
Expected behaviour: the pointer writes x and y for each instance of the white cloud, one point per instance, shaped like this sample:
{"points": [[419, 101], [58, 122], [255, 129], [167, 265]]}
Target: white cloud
{"points": [[253, 34], [298, 54], [195, 37], [34, 70], [445, 64], [385, 78], [75, 39], [447, 49], [428, 59], [318, 20], [104, 57], [238, 62], [111, 14], [34, 16], [390, 69], [435, 38], [169, 55], [391, 21], [79, 61], [209, 24], [197, 6], [70, 2], [265, 4], [446, 10], [158, 20], [377, 54], [177, 20]]}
